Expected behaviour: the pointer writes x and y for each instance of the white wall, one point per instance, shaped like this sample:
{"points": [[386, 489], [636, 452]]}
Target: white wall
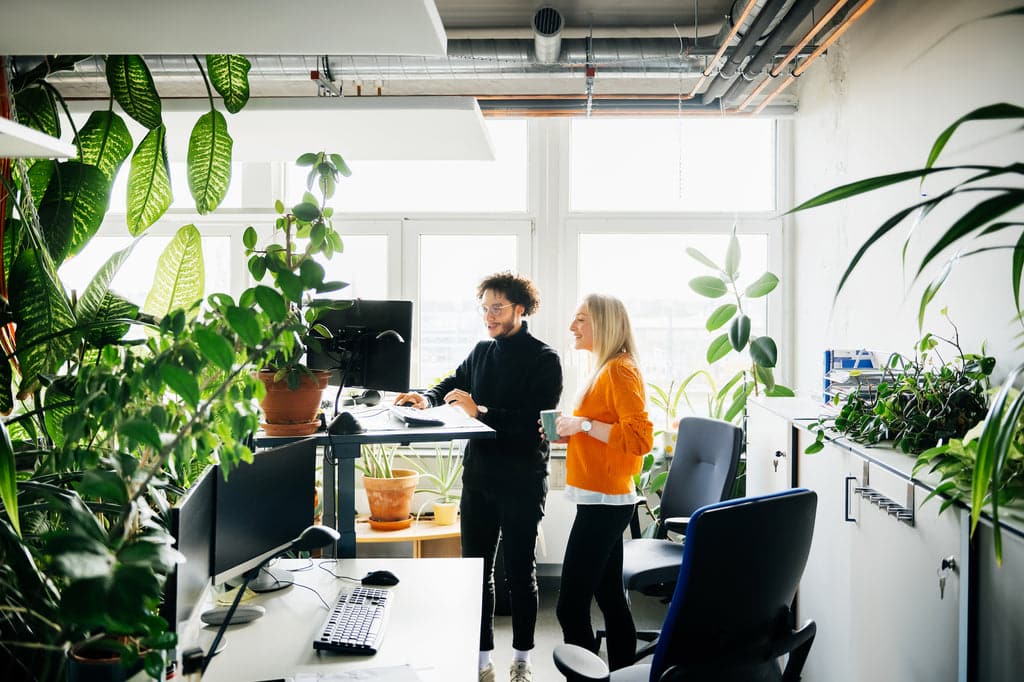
{"points": [[873, 105]]}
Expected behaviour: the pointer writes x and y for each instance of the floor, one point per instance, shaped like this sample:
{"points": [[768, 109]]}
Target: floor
{"points": [[647, 612]]}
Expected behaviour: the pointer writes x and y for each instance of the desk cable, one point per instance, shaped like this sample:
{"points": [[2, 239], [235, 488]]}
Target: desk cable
{"points": [[323, 566]]}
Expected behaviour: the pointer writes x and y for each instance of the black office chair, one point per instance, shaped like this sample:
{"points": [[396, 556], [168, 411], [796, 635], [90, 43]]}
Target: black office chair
{"points": [[702, 472], [730, 617]]}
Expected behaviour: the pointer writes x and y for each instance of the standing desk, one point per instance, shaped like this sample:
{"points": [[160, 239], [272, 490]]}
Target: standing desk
{"points": [[339, 470], [434, 624]]}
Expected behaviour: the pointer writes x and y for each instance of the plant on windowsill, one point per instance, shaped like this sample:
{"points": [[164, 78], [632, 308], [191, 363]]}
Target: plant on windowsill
{"points": [[293, 390], [389, 489], [444, 477]]}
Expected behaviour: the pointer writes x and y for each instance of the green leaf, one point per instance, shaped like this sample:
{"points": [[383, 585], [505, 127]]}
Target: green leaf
{"points": [[141, 431], [708, 286], [73, 207], [720, 316], [42, 312], [341, 165], [108, 326], [249, 237], [311, 273], [6, 381], [766, 376], [215, 348], [244, 323], [305, 160], [271, 302], [763, 351], [762, 286], [91, 300], [718, 349], [149, 182], [868, 185], [36, 109], [132, 86], [1017, 270], [229, 74], [930, 291], [986, 113], [9, 477], [739, 332], [102, 484], [739, 403], [975, 218], [732, 258], [306, 212], [701, 258], [209, 161], [181, 382], [105, 142], [179, 278], [290, 285], [815, 447], [780, 391]]}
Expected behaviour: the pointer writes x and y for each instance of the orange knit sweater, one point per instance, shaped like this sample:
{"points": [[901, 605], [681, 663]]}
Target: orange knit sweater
{"points": [[616, 398]]}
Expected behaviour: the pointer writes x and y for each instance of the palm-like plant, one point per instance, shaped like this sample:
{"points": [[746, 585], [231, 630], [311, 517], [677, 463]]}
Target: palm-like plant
{"points": [[999, 192]]}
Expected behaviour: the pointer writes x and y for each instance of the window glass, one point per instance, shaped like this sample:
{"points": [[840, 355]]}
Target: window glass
{"points": [[684, 164], [363, 264], [451, 266], [448, 186], [651, 276], [135, 278]]}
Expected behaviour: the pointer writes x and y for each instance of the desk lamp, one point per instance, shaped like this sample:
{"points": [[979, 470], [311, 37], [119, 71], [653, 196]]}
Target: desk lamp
{"points": [[314, 537]]}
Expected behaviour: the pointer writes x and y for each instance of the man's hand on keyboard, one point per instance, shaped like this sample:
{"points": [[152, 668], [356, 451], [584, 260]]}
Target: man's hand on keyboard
{"points": [[414, 399]]}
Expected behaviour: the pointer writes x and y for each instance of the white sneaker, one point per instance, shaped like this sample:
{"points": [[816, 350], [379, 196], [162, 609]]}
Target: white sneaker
{"points": [[487, 674], [520, 672]]}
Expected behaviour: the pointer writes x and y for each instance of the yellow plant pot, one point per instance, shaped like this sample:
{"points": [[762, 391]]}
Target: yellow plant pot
{"points": [[446, 513]]}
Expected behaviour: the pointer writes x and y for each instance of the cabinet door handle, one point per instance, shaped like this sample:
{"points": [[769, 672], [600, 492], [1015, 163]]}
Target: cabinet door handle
{"points": [[846, 500]]}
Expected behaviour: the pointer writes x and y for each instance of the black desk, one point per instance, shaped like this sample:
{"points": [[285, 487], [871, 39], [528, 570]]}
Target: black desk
{"points": [[341, 452]]}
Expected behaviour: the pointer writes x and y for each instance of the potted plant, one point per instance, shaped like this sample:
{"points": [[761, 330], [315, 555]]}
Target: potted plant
{"points": [[444, 476], [389, 490], [293, 390]]}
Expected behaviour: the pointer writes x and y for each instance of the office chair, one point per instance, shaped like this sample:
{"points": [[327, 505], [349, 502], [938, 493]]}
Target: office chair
{"points": [[730, 617], [702, 472]]}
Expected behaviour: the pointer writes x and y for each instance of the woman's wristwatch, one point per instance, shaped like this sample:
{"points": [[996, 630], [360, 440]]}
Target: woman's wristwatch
{"points": [[586, 425]]}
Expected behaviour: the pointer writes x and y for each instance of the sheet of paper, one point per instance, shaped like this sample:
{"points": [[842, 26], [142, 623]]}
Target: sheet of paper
{"points": [[396, 673]]}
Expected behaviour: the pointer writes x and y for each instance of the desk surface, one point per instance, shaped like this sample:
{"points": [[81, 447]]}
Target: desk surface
{"points": [[433, 626]]}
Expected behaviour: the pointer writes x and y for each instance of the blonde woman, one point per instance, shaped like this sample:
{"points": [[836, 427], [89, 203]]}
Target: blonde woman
{"points": [[608, 435]]}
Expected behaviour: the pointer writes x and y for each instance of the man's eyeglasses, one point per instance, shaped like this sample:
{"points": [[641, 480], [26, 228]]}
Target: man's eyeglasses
{"points": [[492, 310]]}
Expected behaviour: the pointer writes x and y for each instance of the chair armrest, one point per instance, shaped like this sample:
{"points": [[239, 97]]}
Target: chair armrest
{"points": [[579, 665], [798, 645], [677, 524]]}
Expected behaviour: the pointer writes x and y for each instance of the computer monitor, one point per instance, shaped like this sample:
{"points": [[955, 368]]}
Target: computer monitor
{"points": [[260, 509], [370, 345], [191, 524]]}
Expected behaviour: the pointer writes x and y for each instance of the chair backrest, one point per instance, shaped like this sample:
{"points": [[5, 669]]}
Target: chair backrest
{"points": [[742, 563], [703, 467]]}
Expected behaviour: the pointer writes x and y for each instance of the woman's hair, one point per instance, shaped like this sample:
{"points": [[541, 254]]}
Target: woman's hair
{"points": [[518, 289], [613, 333]]}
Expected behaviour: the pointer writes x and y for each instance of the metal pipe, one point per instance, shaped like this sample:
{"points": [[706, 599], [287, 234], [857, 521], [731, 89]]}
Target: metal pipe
{"points": [[547, 34], [746, 45]]}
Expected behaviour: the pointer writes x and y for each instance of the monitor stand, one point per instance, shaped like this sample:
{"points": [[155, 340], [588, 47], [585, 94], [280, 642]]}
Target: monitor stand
{"points": [[271, 580]]}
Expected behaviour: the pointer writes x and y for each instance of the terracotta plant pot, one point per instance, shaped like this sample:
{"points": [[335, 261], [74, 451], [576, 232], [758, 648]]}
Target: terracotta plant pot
{"points": [[292, 413], [391, 498], [98, 665], [446, 513]]}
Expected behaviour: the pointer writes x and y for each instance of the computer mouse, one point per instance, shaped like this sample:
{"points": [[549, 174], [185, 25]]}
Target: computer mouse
{"points": [[407, 403], [384, 578]]}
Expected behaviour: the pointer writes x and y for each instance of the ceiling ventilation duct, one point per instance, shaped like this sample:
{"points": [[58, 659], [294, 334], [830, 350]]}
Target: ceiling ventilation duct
{"points": [[547, 35]]}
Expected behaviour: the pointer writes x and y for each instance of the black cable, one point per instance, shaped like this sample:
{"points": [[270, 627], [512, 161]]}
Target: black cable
{"points": [[307, 587], [323, 567]]}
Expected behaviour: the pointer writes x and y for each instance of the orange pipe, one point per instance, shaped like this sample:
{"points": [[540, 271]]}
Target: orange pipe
{"points": [[721, 50], [777, 69]]}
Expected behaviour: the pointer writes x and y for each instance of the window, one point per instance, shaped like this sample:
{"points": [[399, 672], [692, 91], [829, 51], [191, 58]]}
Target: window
{"points": [[651, 276], [450, 267], [179, 188], [449, 186], [693, 165], [135, 277], [363, 264]]}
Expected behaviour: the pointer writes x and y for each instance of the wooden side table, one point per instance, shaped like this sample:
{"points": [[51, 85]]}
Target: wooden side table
{"points": [[428, 539]]}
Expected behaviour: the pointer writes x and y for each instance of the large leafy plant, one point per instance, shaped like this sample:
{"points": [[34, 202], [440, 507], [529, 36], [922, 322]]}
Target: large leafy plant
{"points": [[307, 231], [761, 351], [989, 192]]}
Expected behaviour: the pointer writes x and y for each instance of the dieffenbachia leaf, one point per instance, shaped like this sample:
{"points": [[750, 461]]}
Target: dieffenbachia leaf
{"points": [[36, 109], [72, 209], [179, 278], [149, 182], [132, 86], [229, 74], [209, 161], [105, 142]]}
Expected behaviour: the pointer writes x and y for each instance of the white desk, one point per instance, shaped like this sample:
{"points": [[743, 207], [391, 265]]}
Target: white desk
{"points": [[433, 626]]}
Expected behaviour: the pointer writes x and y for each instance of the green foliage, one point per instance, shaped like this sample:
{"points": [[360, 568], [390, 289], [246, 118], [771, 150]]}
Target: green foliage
{"points": [[377, 460], [292, 268], [443, 477], [919, 403], [649, 484]]}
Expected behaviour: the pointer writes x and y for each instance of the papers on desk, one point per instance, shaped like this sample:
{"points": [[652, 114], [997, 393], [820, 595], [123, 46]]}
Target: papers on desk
{"points": [[394, 673], [450, 415]]}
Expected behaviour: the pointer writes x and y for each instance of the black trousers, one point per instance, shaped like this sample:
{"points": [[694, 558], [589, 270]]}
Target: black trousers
{"points": [[514, 513], [592, 569]]}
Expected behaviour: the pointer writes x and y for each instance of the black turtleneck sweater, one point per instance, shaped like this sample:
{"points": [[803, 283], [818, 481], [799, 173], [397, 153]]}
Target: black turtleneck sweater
{"points": [[515, 378]]}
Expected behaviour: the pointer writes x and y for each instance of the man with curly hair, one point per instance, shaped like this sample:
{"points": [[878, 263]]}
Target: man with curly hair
{"points": [[504, 382]]}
